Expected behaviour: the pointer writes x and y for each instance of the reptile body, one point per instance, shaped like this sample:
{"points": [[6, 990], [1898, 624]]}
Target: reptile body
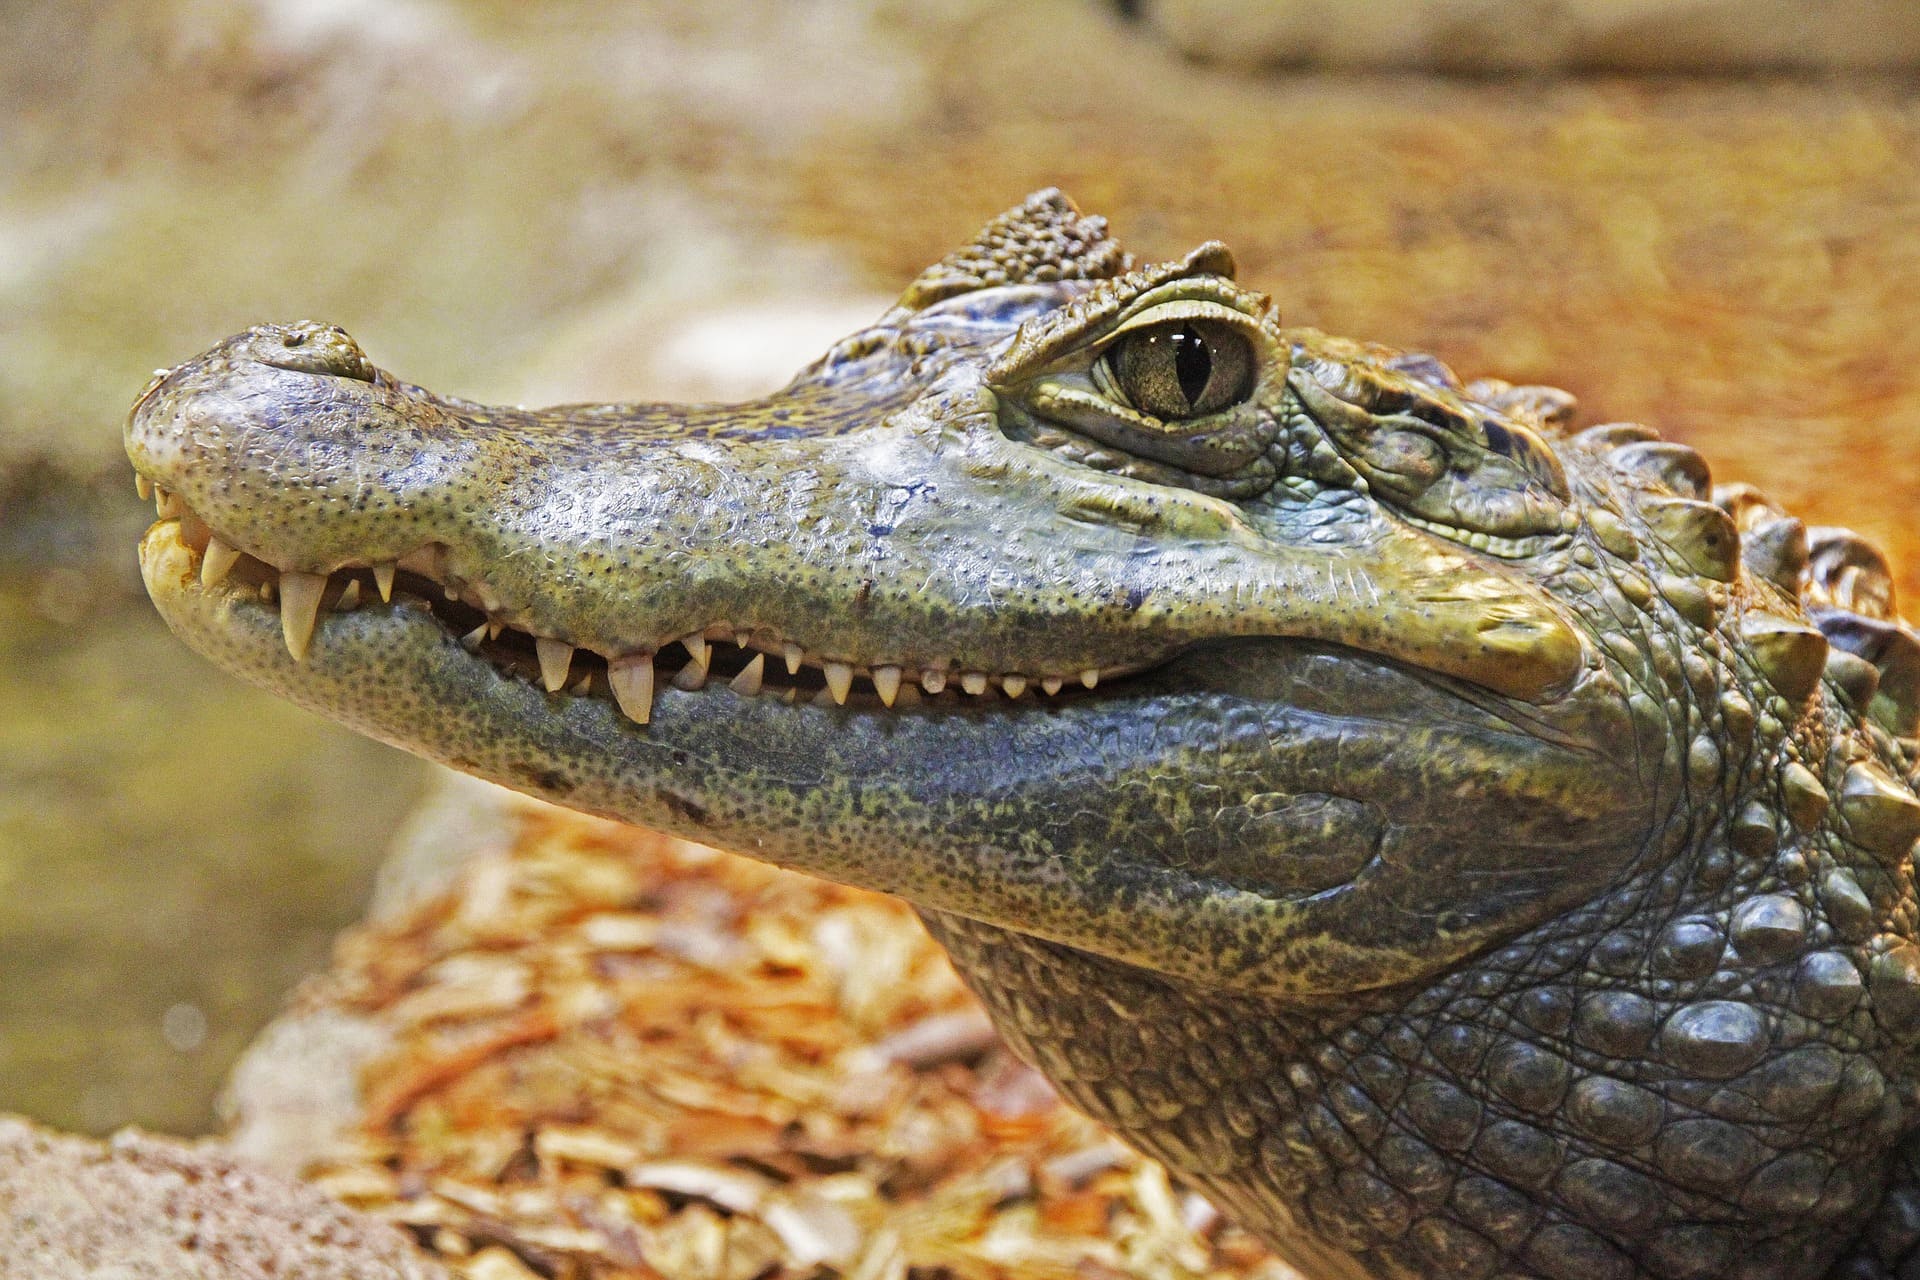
{"points": [[1459, 844]]}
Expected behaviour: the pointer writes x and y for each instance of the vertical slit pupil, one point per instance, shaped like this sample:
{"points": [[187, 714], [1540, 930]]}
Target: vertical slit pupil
{"points": [[1192, 363]]}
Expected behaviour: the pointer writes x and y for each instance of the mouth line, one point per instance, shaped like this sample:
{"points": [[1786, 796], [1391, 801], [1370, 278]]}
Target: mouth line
{"points": [[755, 663]]}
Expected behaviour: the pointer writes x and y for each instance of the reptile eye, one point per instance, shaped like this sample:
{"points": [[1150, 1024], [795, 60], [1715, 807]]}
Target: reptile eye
{"points": [[1183, 368]]}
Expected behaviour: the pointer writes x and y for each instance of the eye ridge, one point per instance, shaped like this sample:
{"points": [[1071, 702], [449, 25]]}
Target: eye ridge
{"points": [[1183, 369]]}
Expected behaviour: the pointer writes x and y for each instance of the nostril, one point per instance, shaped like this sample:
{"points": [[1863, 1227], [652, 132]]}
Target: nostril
{"points": [[309, 347]]}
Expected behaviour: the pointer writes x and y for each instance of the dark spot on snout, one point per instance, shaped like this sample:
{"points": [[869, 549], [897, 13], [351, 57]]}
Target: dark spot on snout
{"points": [[682, 808], [1499, 439], [547, 781]]}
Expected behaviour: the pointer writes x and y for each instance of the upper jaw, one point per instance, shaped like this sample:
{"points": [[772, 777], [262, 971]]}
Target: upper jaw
{"points": [[923, 544]]}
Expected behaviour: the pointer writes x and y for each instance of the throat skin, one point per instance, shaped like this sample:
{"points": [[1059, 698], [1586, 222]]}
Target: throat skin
{"points": [[1460, 844]]}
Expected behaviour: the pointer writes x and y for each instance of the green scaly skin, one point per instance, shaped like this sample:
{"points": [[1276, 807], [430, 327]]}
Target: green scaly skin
{"points": [[1458, 845]]}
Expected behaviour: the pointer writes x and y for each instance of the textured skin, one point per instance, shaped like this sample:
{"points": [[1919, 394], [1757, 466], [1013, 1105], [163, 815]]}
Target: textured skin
{"points": [[1488, 849]]}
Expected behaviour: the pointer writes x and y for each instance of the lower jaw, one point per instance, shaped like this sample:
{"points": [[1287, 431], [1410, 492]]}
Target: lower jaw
{"points": [[403, 673], [982, 813], [718, 660], [742, 772]]}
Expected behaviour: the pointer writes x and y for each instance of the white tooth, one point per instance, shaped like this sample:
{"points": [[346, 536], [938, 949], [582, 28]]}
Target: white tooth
{"points": [[933, 681], [886, 682], [748, 681], [556, 659], [474, 638], [1014, 685], [794, 655], [383, 578], [696, 646], [168, 506], [267, 590], [142, 486], [350, 598], [1051, 685], [494, 628], [974, 682], [217, 562], [690, 677], [632, 681], [299, 609], [1090, 677], [489, 602], [740, 639], [583, 686], [839, 681]]}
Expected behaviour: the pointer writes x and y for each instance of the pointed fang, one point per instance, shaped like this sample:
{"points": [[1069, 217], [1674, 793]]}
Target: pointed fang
{"points": [[696, 646], [350, 598], [216, 562], [1014, 685], [142, 486], [299, 609], [383, 578], [886, 682], [747, 683], [1051, 685], [839, 681], [794, 656], [632, 681], [556, 658], [1090, 677], [472, 641]]}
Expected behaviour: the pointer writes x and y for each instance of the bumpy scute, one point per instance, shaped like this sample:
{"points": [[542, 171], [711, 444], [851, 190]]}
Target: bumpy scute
{"points": [[1043, 240]]}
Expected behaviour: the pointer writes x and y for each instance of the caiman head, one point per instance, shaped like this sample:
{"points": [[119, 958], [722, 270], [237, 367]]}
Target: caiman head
{"points": [[1077, 599], [1109, 620]]}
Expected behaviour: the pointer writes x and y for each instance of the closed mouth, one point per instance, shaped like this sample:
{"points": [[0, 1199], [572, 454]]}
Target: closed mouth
{"points": [[756, 662]]}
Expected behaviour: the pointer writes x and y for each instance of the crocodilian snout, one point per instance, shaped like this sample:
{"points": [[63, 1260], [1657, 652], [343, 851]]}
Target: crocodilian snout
{"points": [[305, 347], [241, 386], [276, 438]]}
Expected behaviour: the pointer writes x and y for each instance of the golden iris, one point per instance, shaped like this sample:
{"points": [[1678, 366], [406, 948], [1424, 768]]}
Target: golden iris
{"points": [[1183, 368]]}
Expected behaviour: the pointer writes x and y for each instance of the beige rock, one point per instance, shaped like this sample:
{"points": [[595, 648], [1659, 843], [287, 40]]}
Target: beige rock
{"points": [[1493, 35], [136, 1206]]}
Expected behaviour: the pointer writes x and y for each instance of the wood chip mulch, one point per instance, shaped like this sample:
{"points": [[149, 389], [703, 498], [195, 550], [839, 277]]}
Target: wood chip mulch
{"points": [[619, 1055]]}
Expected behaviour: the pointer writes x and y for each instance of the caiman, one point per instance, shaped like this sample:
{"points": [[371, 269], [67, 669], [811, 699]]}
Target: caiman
{"points": [[1457, 843]]}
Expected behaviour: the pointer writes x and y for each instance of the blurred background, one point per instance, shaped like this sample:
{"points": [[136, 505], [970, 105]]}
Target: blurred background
{"points": [[1696, 213]]}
